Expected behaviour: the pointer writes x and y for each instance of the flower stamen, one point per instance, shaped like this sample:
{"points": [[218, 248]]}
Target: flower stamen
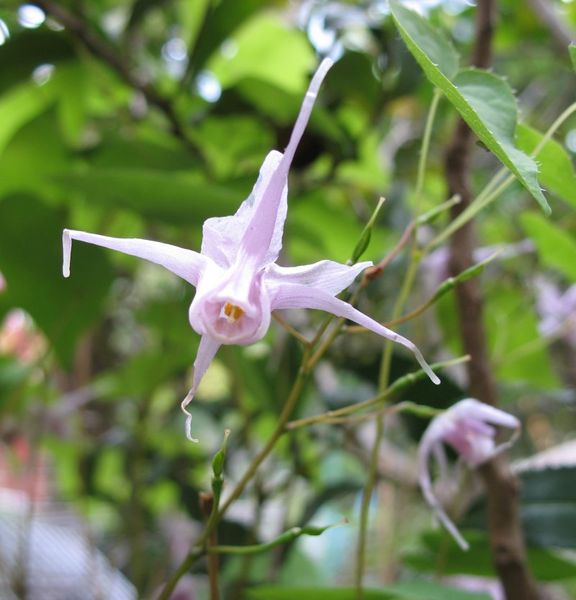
{"points": [[232, 312]]}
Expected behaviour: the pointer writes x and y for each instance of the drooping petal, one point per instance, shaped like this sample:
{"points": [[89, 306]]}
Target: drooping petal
{"points": [[258, 237], [206, 352], [468, 428], [470, 412], [187, 264], [221, 236], [292, 295], [429, 445], [327, 275]]}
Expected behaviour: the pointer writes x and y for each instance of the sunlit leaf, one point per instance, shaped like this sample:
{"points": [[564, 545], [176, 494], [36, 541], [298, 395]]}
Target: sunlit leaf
{"points": [[484, 100], [556, 248], [556, 169], [22, 103], [221, 20], [266, 49]]}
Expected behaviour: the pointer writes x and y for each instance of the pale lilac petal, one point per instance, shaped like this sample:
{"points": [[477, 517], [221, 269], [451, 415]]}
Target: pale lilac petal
{"points": [[300, 296], [467, 426], [472, 409], [431, 440], [187, 264], [260, 233], [206, 352], [327, 275], [439, 454], [222, 235]]}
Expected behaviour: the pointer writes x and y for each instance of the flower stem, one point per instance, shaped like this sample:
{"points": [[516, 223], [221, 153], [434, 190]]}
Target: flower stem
{"points": [[200, 547], [387, 353], [497, 185]]}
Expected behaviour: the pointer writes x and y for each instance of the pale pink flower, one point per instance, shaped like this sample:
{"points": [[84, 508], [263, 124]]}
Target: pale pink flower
{"points": [[20, 338], [470, 428], [238, 283]]}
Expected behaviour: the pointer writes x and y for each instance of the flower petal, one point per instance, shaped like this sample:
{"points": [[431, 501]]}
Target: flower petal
{"points": [[221, 236], [327, 275], [206, 352], [292, 295], [429, 444], [187, 264], [473, 409], [260, 233], [470, 410]]}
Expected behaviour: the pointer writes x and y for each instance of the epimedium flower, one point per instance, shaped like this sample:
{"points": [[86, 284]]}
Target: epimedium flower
{"points": [[238, 283], [470, 428]]}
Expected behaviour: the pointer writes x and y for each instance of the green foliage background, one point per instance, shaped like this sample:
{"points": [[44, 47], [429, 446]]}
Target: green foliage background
{"points": [[82, 146]]}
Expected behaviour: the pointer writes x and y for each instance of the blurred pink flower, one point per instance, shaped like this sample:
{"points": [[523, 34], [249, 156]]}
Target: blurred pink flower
{"points": [[468, 427], [557, 311], [238, 283], [19, 337]]}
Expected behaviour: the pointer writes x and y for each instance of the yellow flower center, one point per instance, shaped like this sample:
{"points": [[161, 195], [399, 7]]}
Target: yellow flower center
{"points": [[232, 312]]}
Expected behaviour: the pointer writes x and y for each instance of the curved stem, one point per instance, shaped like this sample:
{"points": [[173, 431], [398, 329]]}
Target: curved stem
{"points": [[201, 544], [387, 355], [426, 147]]}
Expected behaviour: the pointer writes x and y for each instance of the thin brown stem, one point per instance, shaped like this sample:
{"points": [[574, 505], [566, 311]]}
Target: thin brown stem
{"points": [[208, 507], [508, 550]]}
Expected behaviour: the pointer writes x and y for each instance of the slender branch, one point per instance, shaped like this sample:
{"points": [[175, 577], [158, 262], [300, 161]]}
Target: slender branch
{"points": [[508, 551], [399, 384], [291, 330], [408, 281], [200, 547], [209, 507], [107, 53]]}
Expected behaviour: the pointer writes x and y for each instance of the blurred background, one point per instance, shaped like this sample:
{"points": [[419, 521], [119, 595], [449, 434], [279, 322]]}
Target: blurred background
{"points": [[142, 118]]}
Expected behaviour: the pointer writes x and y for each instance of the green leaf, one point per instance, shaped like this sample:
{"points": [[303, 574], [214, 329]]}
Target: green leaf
{"points": [[483, 100], [269, 51], [72, 101], [167, 196], [31, 259], [572, 52], [22, 103], [233, 144], [428, 590], [520, 354], [430, 48], [289, 593], [419, 590], [556, 168], [544, 564], [556, 248], [28, 49], [220, 22], [34, 152], [548, 501]]}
